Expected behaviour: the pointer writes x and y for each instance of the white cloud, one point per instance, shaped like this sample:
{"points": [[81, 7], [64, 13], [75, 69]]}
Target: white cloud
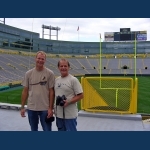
{"points": [[89, 28]]}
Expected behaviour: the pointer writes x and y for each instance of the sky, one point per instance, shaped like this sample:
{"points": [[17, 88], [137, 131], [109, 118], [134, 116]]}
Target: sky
{"points": [[89, 28]]}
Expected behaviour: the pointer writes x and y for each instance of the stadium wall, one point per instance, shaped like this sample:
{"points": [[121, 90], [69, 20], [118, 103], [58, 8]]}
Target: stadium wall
{"points": [[22, 40]]}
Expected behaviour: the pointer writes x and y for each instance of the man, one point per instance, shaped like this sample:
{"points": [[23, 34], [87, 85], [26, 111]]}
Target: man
{"points": [[39, 93], [68, 92]]}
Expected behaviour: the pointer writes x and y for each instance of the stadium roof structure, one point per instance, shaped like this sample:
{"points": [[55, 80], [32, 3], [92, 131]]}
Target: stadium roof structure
{"points": [[19, 39]]}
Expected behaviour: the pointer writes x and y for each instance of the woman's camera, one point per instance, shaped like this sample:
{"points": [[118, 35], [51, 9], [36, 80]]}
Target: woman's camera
{"points": [[60, 100]]}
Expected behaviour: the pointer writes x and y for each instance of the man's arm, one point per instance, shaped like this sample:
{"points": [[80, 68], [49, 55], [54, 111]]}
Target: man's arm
{"points": [[23, 100], [75, 99], [51, 102], [51, 98]]}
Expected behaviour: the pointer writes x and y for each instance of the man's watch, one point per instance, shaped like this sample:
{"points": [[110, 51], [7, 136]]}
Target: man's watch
{"points": [[22, 107]]}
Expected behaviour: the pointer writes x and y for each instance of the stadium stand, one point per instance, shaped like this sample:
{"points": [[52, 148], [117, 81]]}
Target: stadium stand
{"points": [[18, 49], [14, 66]]}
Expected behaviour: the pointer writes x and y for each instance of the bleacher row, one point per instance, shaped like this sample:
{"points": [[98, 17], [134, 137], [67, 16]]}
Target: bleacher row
{"points": [[13, 67]]}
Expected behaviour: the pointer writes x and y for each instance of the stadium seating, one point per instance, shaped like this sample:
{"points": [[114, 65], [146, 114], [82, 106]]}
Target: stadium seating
{"points": [[13, 65]]}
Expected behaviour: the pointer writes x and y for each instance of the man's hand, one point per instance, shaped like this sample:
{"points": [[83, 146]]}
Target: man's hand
{"points": [[66, 103], [22, 112], [50, 113]]}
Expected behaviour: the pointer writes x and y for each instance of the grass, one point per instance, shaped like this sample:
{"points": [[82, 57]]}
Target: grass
{"points": [[12, 96], [143, 102]]}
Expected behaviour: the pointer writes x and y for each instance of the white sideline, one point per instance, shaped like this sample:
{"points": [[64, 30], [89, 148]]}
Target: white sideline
{"points": [[11, 106]]}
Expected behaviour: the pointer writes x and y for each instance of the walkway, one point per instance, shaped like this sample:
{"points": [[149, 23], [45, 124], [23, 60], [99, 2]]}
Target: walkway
{"points": [[10, 120]]}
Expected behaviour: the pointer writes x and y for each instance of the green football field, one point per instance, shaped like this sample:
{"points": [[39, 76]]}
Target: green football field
{"points": [[13, 95]]}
